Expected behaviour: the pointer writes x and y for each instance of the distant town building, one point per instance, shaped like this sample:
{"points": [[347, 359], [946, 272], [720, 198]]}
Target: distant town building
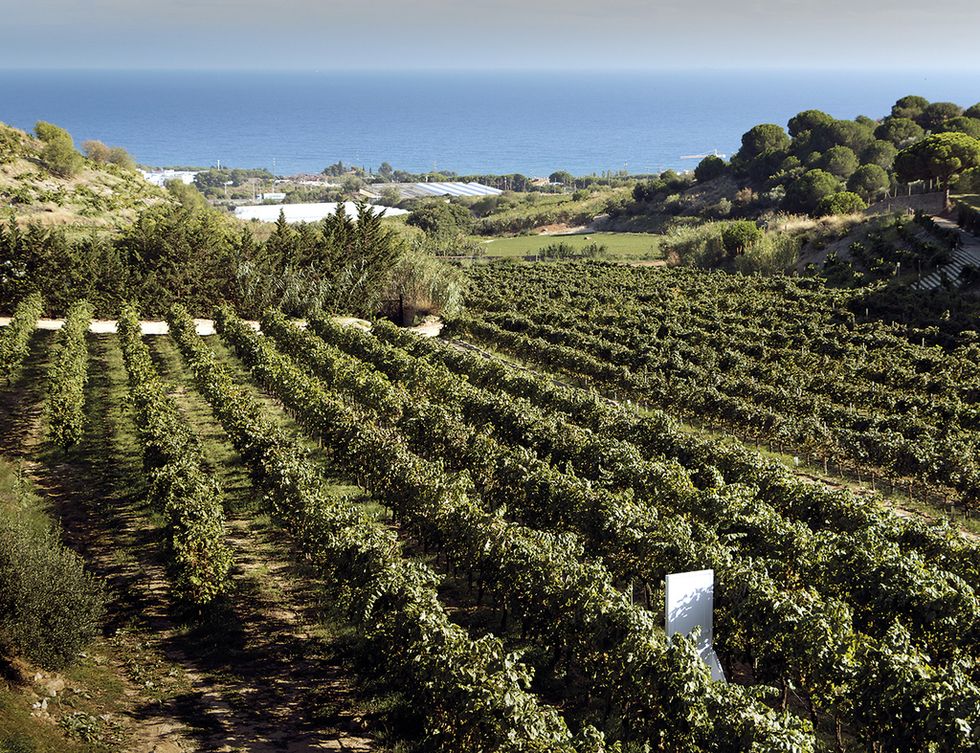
{"points": [[426, 190], [161, 177], [272, 196]]}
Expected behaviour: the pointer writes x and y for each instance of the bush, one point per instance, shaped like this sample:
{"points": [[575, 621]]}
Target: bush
{"points": [[51, 608], [805, 193], [58, 154], [842, 202], [709, 168], [440, 218], [11, 143], [738, 236]]}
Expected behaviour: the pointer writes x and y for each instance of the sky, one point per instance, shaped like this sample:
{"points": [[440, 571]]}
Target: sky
{"points": [[489, 34]]}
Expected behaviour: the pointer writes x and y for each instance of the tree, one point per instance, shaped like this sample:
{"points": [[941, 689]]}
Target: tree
{"points": [[962, 124], [881, 153], [119, 156], [58, 153], [804, 194], [973, 111], [187, 194], [840, 161], [842, 202], [738, 236], [899, 131], [806, 121], [870, 182], [95, 150], [760, 139], [909, 107], [390, 196], [938, 157], [98, 152], [439, 218], [936, 114], [562, 176], [709, 168], [840, 133]]}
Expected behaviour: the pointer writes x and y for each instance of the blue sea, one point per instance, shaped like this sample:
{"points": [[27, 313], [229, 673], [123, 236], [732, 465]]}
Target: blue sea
{"points": [[532, 123]]}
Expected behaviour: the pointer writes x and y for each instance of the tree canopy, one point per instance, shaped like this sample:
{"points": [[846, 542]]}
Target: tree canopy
{"points": [[806, 121], [938, 157], [840, 161], [804, 194], [709, 168], [899, 131], [842, 202], [766, 137], [58, 153], [910, 107], [870, 182]]}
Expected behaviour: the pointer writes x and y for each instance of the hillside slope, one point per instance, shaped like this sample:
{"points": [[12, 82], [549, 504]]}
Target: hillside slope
{"points": [[100, 194]]}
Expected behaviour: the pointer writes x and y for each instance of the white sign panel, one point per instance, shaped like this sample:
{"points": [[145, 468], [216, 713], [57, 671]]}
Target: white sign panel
{"points": [[689, 606]]}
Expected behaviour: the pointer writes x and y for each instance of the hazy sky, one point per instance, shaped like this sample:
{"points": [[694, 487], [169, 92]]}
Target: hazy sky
{"points": [[448, 34]]}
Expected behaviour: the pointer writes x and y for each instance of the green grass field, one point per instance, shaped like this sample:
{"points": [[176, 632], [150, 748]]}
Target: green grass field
{"points": [[639, 245]]}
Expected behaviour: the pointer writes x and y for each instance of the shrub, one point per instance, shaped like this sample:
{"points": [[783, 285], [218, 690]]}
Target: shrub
{"points": [[58, 153], [842, 202], [50, 608], [709, 168], [737, 236]]}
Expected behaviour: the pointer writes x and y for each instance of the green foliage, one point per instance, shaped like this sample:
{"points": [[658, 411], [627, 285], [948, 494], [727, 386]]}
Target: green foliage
{"points": [[738, 236], [762, 139], [469, 694], [441, 218], [870, 182], [824, 136], [804, 195], [880, 153], [840, 161], [962, 124], [426, 285], [50, 607], [182, 487], [842, 202], [899, 131], [562, 176], [69, 375], [973, 111], [709, 168], [807, 120], [15, 337], [114, 155], [910, 107], [58, 153], [938, 157], [11, 143], [935, 115], [187, 195]]}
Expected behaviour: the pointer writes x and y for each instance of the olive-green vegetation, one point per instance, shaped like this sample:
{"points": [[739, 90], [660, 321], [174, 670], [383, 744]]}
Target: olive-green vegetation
{"points": [[44, 180], [50, 607], [634, 245]]}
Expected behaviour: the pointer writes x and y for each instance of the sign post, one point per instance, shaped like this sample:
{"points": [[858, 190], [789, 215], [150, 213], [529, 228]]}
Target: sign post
{"points": [[689, 606]]}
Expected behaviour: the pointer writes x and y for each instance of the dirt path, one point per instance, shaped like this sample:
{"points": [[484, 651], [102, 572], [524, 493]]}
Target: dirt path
{"points": [[283, 676], [267, 671]]}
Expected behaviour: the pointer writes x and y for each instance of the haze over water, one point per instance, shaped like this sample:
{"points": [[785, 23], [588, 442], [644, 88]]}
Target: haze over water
{"points": [[471, 122]]}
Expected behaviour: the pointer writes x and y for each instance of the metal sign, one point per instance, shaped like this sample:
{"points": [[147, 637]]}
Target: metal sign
{"points": [[690, 606]]}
